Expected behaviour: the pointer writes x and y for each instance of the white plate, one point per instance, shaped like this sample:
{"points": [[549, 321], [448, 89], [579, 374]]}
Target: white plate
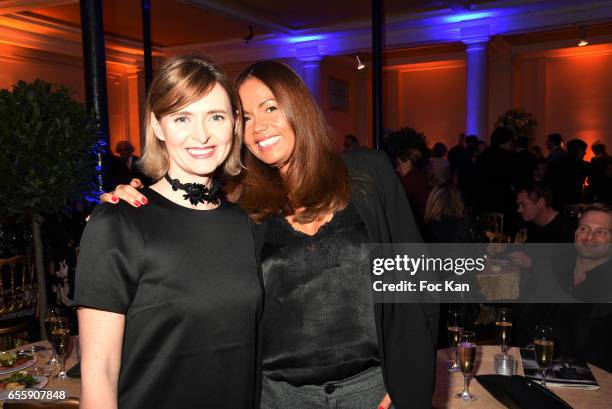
{"points": [[24, 365], [42, 382]]}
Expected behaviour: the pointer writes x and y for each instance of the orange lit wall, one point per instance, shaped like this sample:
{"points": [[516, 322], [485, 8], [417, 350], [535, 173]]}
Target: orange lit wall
{"points": [[579, 97], [15, 69], [431, 99], [123, 92]]}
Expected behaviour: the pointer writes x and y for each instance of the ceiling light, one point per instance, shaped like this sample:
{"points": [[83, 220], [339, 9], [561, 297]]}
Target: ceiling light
{"points": [[583, 41], [360, 65]]}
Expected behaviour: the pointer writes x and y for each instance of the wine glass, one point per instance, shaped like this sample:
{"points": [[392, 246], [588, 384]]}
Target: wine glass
{"points": [[466, 354], [544, 348], [60, 339], [454, 326], [503, 328], [53, 322]]}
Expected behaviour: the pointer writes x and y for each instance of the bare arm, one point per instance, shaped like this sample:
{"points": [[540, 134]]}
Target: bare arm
{"points": [[100, 338], [128, 193]]}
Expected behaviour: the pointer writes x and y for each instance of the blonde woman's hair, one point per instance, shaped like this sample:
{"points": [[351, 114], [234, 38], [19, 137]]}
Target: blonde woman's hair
{"points": [[444, 200], [181, 81]]}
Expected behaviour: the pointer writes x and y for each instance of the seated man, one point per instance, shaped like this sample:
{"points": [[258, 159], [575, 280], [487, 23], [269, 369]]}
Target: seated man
{"points": [[582, 328], [592, 276], [544, 223]]}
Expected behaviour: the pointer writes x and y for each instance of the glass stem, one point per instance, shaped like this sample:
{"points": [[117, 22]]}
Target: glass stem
{"points": [[466, 390], [544, 377], [62, 374], [53, 356]]}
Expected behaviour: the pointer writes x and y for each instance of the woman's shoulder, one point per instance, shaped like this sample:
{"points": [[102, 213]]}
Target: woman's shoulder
{"points": [[111, 211], [120, 217]]}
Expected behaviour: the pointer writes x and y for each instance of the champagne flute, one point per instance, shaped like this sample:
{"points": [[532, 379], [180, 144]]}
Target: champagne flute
{"points": [[544, 348], [60, 339], [454, 326], [503, 328], [53, 322], [466, 355]]}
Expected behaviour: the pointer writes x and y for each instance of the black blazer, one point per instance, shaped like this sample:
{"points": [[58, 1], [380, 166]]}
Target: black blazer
{"points": [[407, 333]]}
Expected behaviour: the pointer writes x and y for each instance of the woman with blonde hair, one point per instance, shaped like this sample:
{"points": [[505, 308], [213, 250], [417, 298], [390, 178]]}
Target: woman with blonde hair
{"points": [[169, 295], [445, 219]]}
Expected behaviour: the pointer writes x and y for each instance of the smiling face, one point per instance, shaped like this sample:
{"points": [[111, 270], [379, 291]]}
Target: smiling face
{"points": [[267, 132], [593, 236], [198, 137]]}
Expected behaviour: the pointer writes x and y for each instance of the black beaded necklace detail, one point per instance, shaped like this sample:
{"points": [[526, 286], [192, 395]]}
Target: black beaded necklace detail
{"points": [[197, 193]]}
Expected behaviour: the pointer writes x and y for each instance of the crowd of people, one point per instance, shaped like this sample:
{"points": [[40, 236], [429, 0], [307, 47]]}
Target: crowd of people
{"points": [[560, 199], [491, 178]]}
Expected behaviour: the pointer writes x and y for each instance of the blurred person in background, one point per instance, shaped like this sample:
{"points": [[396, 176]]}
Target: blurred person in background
{"points": [[411, 169], [438, 165]]}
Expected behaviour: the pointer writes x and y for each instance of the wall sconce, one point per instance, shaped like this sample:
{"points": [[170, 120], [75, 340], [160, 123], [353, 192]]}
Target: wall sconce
{"points": [[360, 65], [582, 33]]}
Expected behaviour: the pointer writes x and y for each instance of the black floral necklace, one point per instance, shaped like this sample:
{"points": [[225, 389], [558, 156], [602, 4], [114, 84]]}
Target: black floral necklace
{"points": [[197, 193]]}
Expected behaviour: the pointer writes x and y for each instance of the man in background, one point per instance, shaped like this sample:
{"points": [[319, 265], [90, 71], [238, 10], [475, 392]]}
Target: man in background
{"points": [[123, 167], [544, 223]]}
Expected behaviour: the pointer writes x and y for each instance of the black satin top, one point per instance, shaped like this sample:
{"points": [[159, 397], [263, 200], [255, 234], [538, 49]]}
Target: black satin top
{"points": [[187, 283], [318, 321]]}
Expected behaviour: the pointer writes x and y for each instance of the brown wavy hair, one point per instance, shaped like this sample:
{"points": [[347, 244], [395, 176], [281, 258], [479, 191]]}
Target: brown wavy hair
{"points": [[316, 178], [179, 82]]}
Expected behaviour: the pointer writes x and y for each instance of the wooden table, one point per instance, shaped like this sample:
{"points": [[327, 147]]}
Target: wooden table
{"points": [[449, 384], [71, 386]]}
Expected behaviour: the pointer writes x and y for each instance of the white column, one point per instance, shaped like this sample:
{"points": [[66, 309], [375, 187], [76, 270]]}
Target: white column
{"points": [[477, 89], [312, 76]]}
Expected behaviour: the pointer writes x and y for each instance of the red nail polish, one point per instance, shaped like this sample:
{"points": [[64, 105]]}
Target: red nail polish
{"points": [[144, 200], [114, 199], [137, 203]]}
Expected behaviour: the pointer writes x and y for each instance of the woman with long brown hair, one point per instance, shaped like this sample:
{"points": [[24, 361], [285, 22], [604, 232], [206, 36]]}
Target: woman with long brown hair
{"points": [[325, 342]]}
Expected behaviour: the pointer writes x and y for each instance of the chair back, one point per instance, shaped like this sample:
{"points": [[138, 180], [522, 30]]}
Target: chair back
{"points": [[17, 285], [493, 222]]}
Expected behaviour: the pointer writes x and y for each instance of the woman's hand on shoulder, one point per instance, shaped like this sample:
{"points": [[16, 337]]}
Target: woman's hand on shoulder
{"points": [[385, 403], [127, 193]]}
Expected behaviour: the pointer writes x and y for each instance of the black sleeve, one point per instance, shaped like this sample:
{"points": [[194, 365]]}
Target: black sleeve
{"points": [[406, 327], [110, 260]]}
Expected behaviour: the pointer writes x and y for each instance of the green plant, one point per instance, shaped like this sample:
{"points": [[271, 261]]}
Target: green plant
{"points": [[48, 158], [522, 123]]}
